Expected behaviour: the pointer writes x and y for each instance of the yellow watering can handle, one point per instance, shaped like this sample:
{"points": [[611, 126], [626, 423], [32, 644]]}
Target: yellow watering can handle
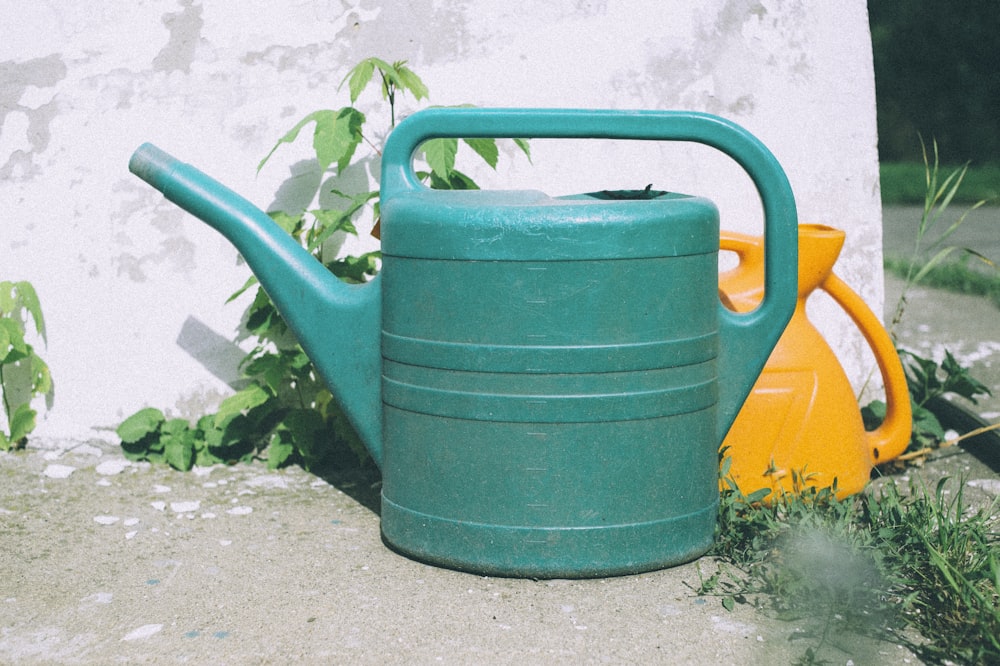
{"points": [[890, 439]]}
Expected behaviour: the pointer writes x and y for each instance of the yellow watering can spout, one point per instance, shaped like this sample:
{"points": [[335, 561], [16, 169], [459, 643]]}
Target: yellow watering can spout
{"points": [[801, 424]]}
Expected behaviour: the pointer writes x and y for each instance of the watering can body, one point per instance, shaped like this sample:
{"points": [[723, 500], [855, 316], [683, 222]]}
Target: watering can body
{"points": [[545, 381], [801, 425]]}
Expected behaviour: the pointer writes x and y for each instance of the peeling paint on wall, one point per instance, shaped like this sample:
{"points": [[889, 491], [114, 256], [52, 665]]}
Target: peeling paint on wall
{"points": [[24, 119], [185, 33], [723, 71]]}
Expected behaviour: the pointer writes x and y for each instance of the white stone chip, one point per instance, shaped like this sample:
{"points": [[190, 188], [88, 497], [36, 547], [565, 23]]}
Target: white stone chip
{"points": [[59, 471], [112, 467], [145, 631]]}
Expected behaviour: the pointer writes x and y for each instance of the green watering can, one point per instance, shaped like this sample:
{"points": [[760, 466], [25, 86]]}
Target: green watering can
{"points": [[544, 382]]}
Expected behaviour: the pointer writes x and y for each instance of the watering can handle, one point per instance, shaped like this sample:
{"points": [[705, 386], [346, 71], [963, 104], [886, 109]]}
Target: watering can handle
{"points": [[891, 438], [745, 339]]}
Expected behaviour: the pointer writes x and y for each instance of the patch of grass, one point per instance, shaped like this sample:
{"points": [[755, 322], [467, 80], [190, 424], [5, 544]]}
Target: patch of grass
{"points": [[903, 183], [956, 276], [875, 564]]}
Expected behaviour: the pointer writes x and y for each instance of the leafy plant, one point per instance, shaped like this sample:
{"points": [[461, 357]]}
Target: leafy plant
{"points": [[285, 413], [20, 367], [926, 379], [871, 564]]}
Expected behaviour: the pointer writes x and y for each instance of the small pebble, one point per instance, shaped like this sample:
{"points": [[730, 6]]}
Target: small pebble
{"points": [[58, 471], [991, 486], [268, 481], [106, 520], [145, 631], [185, 507], [240, 510], [159, 506], [112, 467]]}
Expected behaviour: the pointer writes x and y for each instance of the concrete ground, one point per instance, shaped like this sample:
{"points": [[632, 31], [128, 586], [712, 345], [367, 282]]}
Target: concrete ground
{"points": [[105, 561]]}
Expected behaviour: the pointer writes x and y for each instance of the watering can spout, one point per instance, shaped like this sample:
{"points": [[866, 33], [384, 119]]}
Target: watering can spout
{"points": [[337, 324]]}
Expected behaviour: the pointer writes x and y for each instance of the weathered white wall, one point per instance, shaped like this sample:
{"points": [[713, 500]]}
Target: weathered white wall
{"points": [[133, 289]]}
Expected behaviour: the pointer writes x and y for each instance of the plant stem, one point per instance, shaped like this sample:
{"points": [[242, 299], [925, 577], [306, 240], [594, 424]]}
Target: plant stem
{"points": [[389, 88], [6, 403]]}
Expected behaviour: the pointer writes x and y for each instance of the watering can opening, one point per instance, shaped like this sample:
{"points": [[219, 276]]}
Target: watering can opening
{"points": [[629, 195]]}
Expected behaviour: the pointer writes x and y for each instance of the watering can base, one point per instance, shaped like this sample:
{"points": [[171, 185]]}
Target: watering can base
{"points": [[548, 552]]}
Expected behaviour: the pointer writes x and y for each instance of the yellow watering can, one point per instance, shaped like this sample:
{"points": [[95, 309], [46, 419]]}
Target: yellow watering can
{"points": [[802, 415]]}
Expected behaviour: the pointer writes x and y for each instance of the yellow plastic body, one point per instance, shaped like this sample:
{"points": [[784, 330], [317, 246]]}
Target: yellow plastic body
{"points": [[802, 415]]}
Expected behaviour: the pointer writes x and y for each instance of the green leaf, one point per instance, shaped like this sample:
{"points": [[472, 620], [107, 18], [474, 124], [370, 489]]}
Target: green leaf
{"points": [[140, 424], [307, 431], [271, 369], [234, 441], [292, 134], [17, 297], [251, 281], [959, 381], [337, 136], [12, 345], [178, 450], [406, 79], [22, 423], [355, 270], [873, 414], [934, 261], [728, 603], [456, 181], [359, 77], [290, 223], [262, 318], [328, 223], [7, 297], [280, 450], [41, 377], [485, 148], [440, 156], [240, 403], [7, 330], [926, 424], [525, 148]]}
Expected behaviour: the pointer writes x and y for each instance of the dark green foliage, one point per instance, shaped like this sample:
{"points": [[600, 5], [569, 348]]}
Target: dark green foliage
{"points": [[936, 75]]}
